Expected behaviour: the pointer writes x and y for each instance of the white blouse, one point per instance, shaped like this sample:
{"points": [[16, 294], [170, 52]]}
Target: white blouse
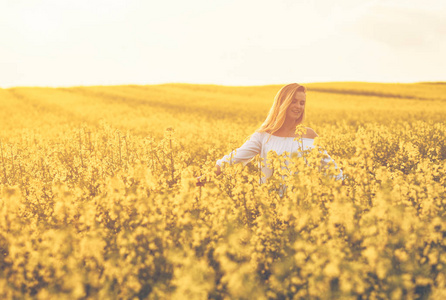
{"points": [[262, 142]]}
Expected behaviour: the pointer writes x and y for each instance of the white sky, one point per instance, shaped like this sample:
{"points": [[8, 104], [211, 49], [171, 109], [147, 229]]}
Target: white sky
{"points": [[231, 42]]}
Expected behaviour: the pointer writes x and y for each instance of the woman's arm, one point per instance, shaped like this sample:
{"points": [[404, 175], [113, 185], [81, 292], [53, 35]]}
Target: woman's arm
{"points": [[324, 163], [244, 154]]}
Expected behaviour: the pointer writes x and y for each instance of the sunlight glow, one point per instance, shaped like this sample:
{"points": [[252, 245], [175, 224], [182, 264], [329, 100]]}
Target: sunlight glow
{"points": [[54, 43]]}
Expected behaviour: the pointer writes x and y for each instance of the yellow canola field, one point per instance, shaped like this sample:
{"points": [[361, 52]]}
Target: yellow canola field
{"points": [[98, 197]]}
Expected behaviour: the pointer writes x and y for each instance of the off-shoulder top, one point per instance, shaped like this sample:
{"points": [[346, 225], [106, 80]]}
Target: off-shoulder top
{"points": [[262, 142]]}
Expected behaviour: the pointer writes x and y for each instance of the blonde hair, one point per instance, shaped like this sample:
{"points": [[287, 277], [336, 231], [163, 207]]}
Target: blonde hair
{"points": [[277, 114]]}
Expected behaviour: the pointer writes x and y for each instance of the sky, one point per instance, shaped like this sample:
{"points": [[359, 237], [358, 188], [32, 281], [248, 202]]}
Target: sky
{"points": [[228, 42]]}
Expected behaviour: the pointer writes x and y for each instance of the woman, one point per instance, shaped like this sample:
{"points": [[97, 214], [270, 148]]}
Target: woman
{"points": [[277, 133]]}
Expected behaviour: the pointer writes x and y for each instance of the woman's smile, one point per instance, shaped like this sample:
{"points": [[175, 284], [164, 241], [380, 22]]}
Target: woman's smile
{"points": [[297, 106]]}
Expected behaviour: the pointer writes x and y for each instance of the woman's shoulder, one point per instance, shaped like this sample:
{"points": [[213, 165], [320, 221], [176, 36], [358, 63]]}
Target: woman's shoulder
{"points": [[310, 133], [258, 135]]}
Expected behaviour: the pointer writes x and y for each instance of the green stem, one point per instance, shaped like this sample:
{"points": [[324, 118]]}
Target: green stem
{"points": [[171, 160], [80, 147], [3, 162]]}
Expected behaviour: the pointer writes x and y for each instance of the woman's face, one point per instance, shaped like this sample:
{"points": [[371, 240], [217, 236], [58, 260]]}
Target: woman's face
{"points": [[297, 106]]}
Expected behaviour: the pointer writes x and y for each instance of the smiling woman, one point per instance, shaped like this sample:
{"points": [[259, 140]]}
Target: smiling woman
{"points": [[287, 112], [281, 133]]}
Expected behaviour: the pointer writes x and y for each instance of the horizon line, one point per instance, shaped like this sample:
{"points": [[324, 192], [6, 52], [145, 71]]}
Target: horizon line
{"points": [[214, 84]]}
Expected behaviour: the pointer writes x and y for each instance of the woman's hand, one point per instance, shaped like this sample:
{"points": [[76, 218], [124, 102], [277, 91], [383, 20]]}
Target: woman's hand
{"points": [[200, 181]]}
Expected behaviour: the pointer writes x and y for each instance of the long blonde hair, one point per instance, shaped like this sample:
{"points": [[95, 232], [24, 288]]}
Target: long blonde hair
{"points": [[277, 114]]}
